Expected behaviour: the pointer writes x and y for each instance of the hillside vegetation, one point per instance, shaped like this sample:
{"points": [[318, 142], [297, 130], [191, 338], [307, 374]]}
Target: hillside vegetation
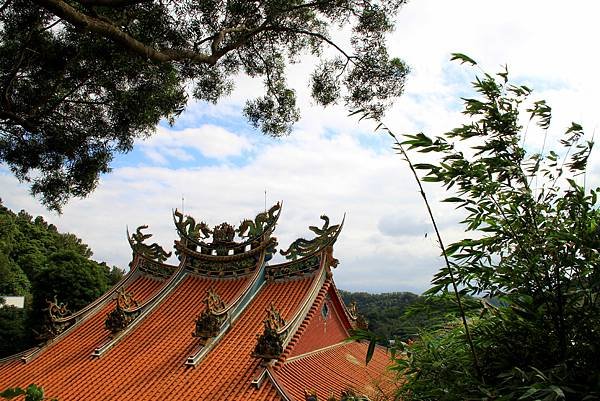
{"points": [[39, 263]]}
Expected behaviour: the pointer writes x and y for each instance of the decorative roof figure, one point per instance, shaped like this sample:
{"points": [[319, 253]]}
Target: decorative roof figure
{"points": [[264, 331]]}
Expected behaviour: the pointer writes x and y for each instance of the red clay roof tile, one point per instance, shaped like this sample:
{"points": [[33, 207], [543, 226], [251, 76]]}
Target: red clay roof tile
{"points": [[337, 368]]}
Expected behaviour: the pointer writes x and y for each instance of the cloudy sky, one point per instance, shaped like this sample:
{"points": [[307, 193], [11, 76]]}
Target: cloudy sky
{"points": [[333, 164]]}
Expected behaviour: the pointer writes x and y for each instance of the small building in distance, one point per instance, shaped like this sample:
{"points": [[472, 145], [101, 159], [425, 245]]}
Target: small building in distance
{"points": [[17, 302], [222, 324]]}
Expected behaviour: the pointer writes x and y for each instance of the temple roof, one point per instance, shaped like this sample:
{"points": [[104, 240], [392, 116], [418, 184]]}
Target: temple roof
{"points": [[223, 324]]}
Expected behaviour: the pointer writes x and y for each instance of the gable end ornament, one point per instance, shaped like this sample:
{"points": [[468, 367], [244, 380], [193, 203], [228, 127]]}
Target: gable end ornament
{"points": [[357, 318], [55, 320], [153, 251]]}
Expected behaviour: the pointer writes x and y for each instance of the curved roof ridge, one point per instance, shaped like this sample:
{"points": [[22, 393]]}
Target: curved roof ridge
{"points": [[303, 256], [316, 351], [300, 313], [139, 313], [305, 322], [76, 319], [232, 311], [350, 319]]}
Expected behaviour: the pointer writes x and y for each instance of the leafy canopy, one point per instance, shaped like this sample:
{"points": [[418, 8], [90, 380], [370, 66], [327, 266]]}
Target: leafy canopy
{"points": [[533, 247], [39, 263], [82, 79]]}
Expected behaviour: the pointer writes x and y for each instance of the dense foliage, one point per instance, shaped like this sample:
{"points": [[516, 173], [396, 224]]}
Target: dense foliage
{"points": [[82, 79], [534, 246], [38, 262], [383, 311], [404, 315]]}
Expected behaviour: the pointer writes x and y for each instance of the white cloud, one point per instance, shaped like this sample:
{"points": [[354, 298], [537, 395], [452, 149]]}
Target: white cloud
{"points": [[210, 140], [325, 166]]}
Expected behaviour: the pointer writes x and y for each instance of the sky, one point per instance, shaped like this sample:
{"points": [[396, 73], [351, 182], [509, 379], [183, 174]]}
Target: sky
{"points": [[218, 168]]}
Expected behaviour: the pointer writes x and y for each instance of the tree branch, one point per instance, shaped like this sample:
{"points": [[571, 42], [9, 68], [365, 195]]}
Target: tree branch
{"points": [[218, 38], [109, 31], [112, 3], [319, 36], [8, 115]]}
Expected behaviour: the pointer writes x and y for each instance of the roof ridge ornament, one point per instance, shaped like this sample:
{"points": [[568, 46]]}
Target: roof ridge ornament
{"points": [[324, 237], [54, 320], [269, 344], [262, 221], [209, 321], [307, 256], [250, 231], [189, 226], [126, 310], [219, 252], [358, 319], [152, 251]]}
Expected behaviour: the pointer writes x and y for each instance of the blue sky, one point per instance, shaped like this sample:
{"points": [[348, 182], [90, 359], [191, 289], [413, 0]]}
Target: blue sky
{"points": [[333, 164]]}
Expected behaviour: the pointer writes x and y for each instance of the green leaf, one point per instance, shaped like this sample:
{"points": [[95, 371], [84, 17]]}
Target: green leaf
{"points": [[370, 351], [531, 391], [11, 393], [463, 58], [453, 200]]}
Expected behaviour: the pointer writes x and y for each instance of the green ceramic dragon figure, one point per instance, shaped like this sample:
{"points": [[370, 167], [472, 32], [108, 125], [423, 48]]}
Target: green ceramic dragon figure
{"points": [[252, 229], [190, 228], [153, 251], [303, 247]]}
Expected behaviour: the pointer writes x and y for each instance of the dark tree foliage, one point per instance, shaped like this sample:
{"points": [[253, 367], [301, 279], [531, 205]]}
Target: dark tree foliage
{"points": [[82, 79], [13, 335], [38, 262]]}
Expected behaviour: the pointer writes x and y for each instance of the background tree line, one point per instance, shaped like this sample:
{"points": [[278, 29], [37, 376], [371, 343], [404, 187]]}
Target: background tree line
{"points": [[38, 262], [405, 315], [531, 251]]}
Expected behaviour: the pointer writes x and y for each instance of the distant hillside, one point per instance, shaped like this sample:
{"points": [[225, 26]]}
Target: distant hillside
{"points": [[402, 315], [383, 311], [38, 262]]}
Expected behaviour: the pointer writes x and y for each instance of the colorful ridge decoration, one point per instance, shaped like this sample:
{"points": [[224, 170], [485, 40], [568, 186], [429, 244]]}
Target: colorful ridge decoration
{"points": [[153, 251], [251, 233], [55, 321], [123, 314], [358, 319], [302, 247], [259, 331], [208, 323], [306, 256], [270, 343]]}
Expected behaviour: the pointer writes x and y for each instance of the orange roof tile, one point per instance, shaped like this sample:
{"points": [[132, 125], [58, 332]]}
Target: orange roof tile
{"points": [[227, 371], [149, 362], [65, 360], [335, 369], [318, 331]]}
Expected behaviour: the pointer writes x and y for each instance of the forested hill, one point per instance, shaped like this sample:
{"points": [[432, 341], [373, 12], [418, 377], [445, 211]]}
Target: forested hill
{"points": [[384, 312], [39, 262], [404, 315]]}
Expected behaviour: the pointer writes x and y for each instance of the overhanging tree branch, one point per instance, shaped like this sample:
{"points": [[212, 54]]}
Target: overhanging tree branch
{"points": [[109, 31], [112, 3]]}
